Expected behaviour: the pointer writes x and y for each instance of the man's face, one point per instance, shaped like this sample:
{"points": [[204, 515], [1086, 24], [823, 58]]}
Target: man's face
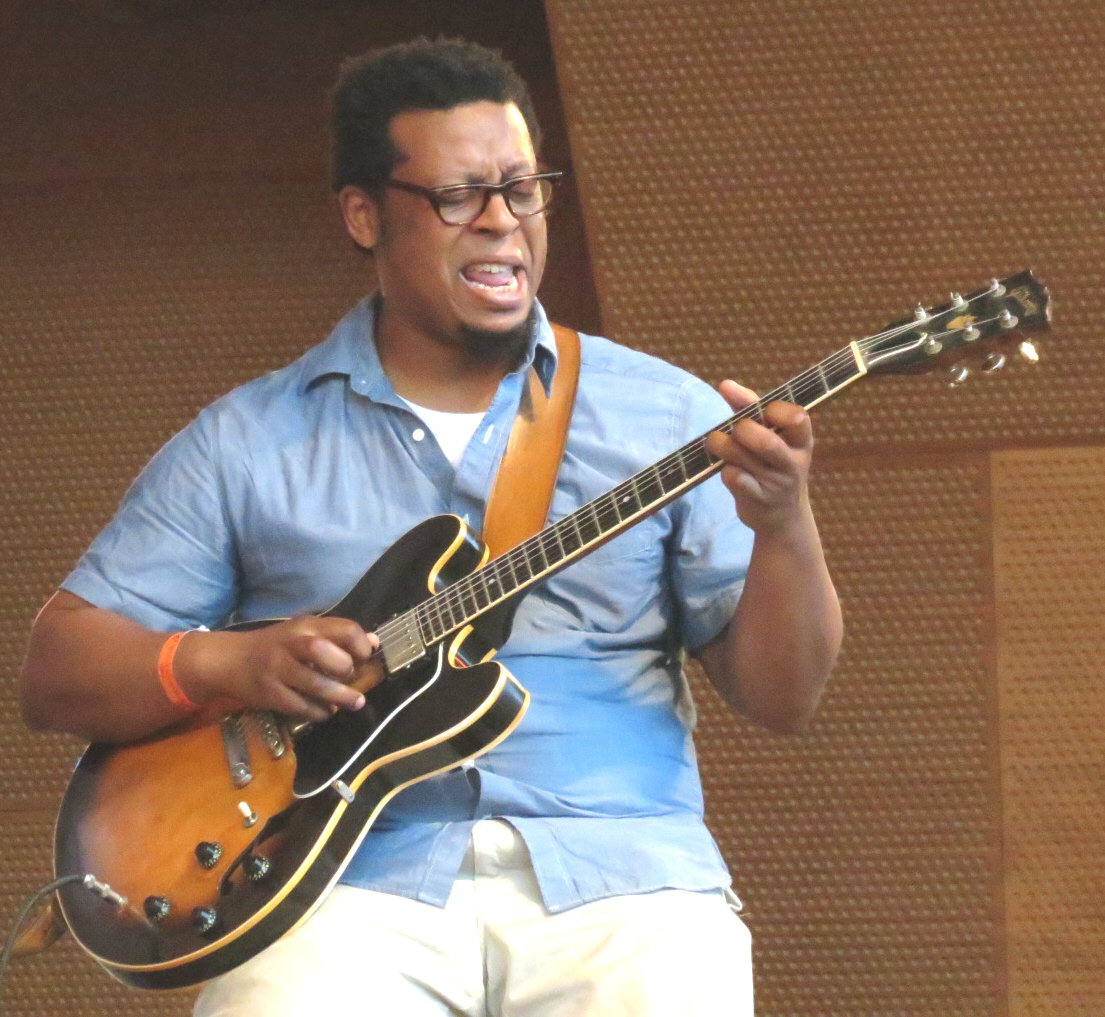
{"points": [[472, 284]]}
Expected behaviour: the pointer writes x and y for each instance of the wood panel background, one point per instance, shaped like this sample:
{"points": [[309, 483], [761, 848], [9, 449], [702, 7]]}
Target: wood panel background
{"points": [[759, 183]]}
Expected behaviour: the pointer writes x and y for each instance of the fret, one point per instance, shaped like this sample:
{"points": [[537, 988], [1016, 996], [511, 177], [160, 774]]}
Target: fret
{"points": [[507, 564], [430, 617], [606, 511], [628, 501], [449, 610], [570, 538], [842, 373], [544, 546], [492, 582], [594, 521], [820, 368], [554, 533], [697, 458], [479, 593], [651, 486], [533, 558], [810, 389], [575, 519]]}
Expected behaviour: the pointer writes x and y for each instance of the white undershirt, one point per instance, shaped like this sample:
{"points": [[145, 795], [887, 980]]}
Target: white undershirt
{"points": [[453, 431]]}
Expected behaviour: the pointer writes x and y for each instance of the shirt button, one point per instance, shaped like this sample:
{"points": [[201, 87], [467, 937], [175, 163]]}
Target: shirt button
{"points": [[418, 434]]}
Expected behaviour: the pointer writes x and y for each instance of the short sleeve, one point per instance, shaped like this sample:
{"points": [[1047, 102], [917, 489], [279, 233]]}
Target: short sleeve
{"points": [[711, 546], [166, 560]]}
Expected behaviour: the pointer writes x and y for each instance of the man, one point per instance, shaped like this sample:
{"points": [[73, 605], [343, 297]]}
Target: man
{"points": [[568, 870]]}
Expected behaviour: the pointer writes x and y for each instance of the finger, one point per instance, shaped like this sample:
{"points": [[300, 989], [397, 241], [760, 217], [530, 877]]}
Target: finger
{"points": [[292, 703], [324, 656], [347, 634], [323, 690], [736, 395], [790, 421]]}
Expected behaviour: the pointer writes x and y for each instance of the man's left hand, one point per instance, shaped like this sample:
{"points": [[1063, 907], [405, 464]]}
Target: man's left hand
{"points": [[766, 465]]}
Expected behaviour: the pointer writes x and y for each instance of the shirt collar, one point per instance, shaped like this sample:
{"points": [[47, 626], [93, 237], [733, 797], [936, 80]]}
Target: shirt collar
{"points": [[350, 351]]}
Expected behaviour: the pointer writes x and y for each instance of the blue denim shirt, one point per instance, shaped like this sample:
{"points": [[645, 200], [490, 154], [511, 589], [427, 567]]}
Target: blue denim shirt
{"points": [[281, 494]]}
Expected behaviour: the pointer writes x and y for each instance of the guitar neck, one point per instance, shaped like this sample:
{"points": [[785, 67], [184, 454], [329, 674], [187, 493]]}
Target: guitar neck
{"points": [[406, 637]]}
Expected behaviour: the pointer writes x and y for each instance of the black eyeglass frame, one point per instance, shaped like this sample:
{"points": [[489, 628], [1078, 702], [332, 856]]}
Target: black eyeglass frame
{"points": [[436, 195]]}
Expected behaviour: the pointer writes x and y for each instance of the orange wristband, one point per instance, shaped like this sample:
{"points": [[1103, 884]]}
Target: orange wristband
{"points": [[166, 676]]}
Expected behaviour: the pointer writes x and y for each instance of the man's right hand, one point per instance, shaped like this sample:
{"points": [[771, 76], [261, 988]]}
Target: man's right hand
{"points": [[306, 667], [94, 673]]}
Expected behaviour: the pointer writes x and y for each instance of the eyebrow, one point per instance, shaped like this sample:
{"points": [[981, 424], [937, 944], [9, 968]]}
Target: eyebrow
{"points": [[519, 169]]}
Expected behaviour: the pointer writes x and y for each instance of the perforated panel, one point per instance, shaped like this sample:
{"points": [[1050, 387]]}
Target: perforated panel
{"points": [[867, 851], [765, 181], [1049, 557]]}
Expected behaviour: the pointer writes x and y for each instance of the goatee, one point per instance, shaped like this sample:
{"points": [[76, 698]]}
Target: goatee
{"points": [[504, 349]]}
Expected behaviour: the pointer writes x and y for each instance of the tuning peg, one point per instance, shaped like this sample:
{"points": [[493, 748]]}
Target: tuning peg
{"points": [[957, 374], [993, 362], [1028, 352], [958, 303], [919, 313], [996, 288], [1007, 320]]}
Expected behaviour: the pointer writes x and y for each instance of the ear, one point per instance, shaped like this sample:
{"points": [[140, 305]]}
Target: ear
{"points": [[362, 216]]}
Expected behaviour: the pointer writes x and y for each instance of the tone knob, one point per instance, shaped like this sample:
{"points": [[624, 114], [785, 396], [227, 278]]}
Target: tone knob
{"points": [[256, 868], [208, 853], [156, 908], [204, 920]]}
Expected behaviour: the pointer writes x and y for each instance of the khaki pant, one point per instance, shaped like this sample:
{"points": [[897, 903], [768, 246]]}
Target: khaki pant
{"points": [[494, 951]]}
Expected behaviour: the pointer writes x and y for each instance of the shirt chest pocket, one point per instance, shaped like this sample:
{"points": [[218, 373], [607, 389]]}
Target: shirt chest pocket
{"points": [[612, 587]]}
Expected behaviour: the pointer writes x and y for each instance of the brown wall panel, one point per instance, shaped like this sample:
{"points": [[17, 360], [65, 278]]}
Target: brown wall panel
{"points": [[1049, 558]]}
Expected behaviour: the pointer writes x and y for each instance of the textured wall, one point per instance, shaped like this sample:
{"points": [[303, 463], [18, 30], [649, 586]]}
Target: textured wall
{"points": [[1049, 562]]}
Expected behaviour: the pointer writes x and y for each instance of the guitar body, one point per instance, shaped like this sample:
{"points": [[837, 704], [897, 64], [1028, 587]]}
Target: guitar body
{"points": [[144, 818]]}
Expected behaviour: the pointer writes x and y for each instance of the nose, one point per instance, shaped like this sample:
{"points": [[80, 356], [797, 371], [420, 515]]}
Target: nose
{"points": [[496, 216]]}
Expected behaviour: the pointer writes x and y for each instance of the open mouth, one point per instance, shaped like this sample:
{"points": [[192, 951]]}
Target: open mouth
{"points": [[495, 278]]}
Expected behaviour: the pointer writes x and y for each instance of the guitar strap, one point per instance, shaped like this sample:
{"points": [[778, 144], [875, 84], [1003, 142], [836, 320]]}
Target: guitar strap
{"points": [[523, 489]]}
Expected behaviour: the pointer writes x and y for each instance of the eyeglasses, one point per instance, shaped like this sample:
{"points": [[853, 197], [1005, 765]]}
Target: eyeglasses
{"points": [[461, 204]]}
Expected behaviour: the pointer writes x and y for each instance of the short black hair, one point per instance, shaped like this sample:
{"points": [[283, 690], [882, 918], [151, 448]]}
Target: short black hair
{"points": [[425, 74]]}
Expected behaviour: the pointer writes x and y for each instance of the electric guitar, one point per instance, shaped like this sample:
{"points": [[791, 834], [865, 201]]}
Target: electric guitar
{"points": [[204, 844]]}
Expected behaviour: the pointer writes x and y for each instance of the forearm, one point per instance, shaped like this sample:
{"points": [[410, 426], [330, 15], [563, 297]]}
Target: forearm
{"points": [[93, 673], [774, 659]]}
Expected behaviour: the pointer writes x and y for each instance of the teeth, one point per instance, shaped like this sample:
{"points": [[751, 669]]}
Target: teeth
{"points": [[506, 284], [495, 269]]}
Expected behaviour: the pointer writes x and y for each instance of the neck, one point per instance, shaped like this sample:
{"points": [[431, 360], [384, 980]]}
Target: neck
{"points": [[453, 374]]}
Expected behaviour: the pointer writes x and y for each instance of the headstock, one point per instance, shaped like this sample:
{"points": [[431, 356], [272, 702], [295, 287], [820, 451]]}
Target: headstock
{"points": [[983, 327]]}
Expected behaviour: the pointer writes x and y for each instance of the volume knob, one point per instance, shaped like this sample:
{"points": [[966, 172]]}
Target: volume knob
{"points": [[156, 908], [208, 853], [256, 868], [204, 920]]}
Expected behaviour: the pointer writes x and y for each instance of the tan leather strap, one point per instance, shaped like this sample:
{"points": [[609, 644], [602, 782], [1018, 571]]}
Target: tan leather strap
{"points": [[520, 499]]}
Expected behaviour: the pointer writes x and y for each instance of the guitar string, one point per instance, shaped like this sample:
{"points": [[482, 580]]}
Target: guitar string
{"points": [[673, 466], [452, 600]]}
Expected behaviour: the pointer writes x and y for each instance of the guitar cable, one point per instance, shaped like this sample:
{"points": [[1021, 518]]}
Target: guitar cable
{"points": [[13, 936]]}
